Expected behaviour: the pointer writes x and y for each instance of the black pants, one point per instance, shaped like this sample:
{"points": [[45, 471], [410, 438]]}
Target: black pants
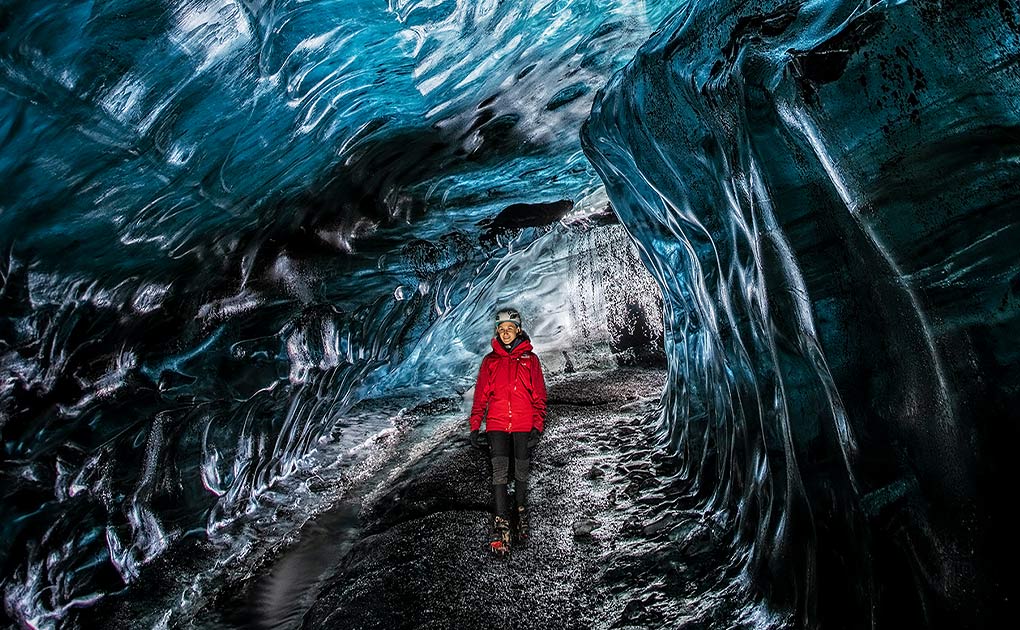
{"points": [[503, 446]]}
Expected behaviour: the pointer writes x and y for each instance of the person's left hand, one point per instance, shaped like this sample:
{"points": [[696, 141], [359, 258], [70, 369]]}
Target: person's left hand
{"points": [[534, 437]]}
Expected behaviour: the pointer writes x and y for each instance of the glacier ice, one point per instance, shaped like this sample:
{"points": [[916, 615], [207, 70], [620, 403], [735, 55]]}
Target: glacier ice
{"points": [[224, 223], [825, 193]]}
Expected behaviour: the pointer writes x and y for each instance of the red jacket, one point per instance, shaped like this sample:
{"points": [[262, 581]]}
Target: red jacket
{"points": [[511, 386]]}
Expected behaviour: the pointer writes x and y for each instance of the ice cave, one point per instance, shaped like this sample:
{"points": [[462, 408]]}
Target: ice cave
{"points": [[768, 253]]}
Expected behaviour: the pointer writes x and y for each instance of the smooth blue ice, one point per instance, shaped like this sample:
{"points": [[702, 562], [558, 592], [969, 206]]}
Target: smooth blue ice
{"points": [[826, 193]]}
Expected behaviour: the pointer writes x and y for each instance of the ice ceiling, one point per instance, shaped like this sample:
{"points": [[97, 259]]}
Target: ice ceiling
{"points": [[222, 223]]}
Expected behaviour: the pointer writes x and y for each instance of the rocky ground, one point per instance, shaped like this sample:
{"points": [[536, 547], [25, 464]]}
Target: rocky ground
{"points": [[423, 559], [603, 553], [612, 544]]}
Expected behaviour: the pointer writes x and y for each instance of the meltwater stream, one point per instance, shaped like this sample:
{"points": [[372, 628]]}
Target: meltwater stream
{"points": [[231, 231]]}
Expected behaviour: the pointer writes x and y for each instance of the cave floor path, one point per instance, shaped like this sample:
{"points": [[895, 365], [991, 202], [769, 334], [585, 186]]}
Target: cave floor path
{"points": [[610, 548]]}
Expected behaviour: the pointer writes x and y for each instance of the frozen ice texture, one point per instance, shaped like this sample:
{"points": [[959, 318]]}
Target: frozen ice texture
{"points": [[825, 193], [223, 223]]}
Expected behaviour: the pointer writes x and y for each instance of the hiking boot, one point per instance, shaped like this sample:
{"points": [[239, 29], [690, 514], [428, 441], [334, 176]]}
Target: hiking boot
{"points": [[523, 525], [500, 544]]}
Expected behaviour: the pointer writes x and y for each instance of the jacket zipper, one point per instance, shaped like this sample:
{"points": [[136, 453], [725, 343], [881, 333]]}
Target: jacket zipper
{"points": [[510, 409], [510, 398], [509, 402]]}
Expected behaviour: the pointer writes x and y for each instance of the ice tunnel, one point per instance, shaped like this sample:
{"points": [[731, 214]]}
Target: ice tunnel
{"points": [[766, 250]]}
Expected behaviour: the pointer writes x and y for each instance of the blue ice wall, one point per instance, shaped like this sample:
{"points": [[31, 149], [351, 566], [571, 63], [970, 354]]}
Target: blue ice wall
{"points": [[826, 194], [223, 222]]}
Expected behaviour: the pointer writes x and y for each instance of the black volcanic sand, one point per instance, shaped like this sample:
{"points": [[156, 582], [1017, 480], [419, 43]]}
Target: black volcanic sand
{"points": [[424, 562], [611, 546]]}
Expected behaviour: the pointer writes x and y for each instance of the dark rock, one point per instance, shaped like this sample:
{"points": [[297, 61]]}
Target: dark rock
{"points": [[659, 524], [585, 526]]}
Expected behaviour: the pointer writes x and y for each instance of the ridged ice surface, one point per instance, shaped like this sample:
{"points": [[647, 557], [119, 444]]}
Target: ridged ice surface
{"points": [[825, 192], [223, 223]]}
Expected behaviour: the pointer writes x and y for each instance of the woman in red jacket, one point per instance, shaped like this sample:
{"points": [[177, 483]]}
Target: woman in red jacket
{"points": [[510, 393]]}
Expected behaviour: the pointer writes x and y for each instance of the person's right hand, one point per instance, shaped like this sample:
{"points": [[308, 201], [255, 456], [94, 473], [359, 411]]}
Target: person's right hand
{"points": [[475, 441]]}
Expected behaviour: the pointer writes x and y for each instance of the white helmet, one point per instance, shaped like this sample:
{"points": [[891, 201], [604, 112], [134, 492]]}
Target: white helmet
{"points": [[508, 315]]}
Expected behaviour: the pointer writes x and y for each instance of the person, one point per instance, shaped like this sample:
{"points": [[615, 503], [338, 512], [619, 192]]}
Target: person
{"points": [[510, 393]]}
